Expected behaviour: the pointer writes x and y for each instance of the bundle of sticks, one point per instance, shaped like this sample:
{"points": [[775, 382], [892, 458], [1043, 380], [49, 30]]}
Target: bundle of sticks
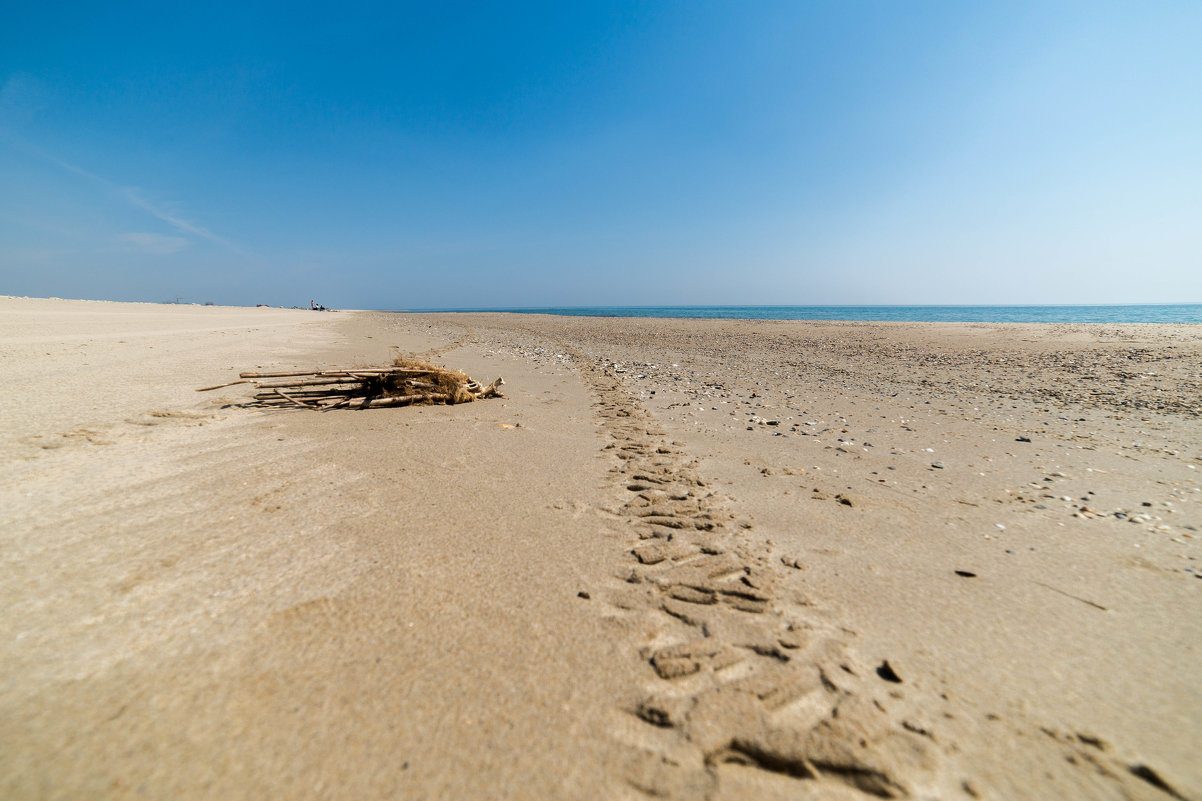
{"points": [[406, 382]]}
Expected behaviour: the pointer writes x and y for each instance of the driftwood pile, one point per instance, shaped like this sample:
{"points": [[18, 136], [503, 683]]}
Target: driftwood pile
{"points": [[406, 382]]}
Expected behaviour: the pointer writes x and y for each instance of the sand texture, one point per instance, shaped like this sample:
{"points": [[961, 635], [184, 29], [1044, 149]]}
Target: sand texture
{"points": [[680, 559]]}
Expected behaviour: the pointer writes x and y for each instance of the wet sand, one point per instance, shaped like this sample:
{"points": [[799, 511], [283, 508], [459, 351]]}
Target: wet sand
{"points": [[695, 559]]}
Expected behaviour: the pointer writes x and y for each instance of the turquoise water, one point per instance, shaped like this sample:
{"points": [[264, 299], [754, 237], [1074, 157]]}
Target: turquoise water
{"points": [[1149, 313]]}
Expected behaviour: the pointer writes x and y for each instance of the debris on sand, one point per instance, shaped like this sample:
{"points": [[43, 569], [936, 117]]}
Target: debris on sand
{"points": [[406, 382]]}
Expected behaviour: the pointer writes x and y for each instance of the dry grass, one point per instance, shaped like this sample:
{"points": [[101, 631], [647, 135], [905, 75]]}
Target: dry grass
{"points": [[452, 383]]}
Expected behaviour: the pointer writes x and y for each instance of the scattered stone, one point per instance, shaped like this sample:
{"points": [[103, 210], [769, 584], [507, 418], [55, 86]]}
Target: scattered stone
{"points": [[886, 672]]}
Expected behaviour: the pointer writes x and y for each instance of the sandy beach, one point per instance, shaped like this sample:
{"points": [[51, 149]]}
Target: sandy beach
{"points": [[681, 558]]}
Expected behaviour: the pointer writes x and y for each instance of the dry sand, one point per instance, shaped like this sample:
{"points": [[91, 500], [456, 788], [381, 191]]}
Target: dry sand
{"points": [[692, 559]]}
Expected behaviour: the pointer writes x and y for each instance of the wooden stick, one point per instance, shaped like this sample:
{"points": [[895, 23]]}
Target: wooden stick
{"points": [[308, 382], [219, 386], [404, 400], [283, 394], [329, 389], [308, 395], [318, 373], [276, 375], [293, 374]]}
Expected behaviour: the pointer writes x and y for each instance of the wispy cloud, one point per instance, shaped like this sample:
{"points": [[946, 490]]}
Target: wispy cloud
{"points": [[137, 198], [157, 244]]}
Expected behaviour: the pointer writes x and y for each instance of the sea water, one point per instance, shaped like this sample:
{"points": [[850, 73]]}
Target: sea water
{"points": [[1141, 313]]}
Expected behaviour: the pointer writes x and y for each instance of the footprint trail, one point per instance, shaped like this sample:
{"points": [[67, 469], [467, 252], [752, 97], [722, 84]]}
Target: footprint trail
{"points": [[741, 672]]}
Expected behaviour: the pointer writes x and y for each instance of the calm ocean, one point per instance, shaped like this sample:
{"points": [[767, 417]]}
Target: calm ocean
{"points": [[1150, 313]]}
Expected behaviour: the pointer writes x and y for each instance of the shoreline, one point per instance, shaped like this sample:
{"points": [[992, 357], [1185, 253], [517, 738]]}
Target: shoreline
{"points": [[231, 630], [1024, 314]]}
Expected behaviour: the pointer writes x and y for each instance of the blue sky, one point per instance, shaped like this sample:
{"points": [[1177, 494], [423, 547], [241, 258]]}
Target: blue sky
{"points": [[526, 154]]}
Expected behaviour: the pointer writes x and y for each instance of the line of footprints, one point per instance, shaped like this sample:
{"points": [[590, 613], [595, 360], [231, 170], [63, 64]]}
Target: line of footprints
{"points": [[740, 670]]}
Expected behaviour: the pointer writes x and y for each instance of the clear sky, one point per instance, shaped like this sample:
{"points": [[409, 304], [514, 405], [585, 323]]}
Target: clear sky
{"points": [[408, 155]]}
